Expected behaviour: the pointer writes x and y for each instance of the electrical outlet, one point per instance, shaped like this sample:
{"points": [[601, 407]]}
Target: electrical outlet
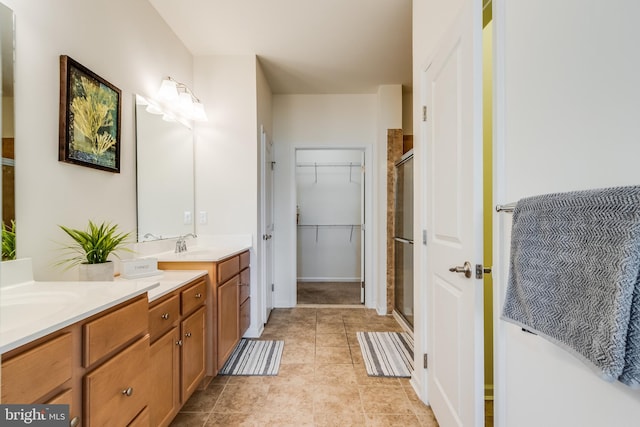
{"points": [[187, 217], [203, 217]]}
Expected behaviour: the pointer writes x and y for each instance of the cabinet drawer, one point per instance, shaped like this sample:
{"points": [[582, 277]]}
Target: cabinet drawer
{"points": [[118, 390], [65, 398], [244, 260], [36, 372], [245, 284], [245, 316], [227, 269], [143, 419], [194, 296], [107, 333], [163, 315]]}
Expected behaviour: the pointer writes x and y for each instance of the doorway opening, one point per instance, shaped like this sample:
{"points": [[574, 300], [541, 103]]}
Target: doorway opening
{"points": [[329, 222]]}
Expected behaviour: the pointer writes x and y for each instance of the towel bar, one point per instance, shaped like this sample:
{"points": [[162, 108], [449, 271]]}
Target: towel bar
{"points": [[509, 207]]}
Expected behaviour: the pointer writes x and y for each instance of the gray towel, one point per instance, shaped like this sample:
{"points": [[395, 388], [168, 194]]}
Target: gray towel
{"points": [[574, 276]]}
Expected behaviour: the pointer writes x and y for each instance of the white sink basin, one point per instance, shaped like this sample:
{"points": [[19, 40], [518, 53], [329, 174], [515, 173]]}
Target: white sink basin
{"points": [[38, 298], [34, 307]]}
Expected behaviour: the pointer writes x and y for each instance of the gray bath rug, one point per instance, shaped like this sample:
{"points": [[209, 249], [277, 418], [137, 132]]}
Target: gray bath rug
{"points": [[387, 354], [254, 357]]}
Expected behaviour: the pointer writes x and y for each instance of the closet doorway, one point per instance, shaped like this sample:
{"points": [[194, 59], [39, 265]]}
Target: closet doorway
{"points": [[329, 221]]}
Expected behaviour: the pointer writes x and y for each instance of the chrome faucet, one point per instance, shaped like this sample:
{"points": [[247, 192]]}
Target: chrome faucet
{"points": [[181, 244]]}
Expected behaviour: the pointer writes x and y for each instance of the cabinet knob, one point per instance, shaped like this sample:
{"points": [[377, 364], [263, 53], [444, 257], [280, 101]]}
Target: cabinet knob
{"points": [[165, 316], [179, 342], [188, 335], [75, 421], [128, 391], [198, 295]]}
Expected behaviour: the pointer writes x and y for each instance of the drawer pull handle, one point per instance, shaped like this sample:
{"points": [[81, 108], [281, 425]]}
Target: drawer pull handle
{"points": [[179, 343], [188, 335], [75, 421], [128, 391], [198, 295], [165, 316]]}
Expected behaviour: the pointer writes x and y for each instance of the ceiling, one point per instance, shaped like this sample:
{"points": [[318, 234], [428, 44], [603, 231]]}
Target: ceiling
{"points": [[304, 46]]}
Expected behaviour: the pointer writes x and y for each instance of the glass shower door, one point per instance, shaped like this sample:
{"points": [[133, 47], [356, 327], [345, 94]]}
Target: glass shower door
{"points": [[403, 238]]}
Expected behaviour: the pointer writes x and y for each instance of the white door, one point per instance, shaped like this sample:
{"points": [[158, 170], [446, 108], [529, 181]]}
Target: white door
{"points": [[453, 135], [362, 228], [267, 223]]}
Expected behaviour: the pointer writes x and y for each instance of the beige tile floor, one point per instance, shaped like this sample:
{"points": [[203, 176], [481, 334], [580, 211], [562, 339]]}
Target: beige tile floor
{"points": [[322, 380]]}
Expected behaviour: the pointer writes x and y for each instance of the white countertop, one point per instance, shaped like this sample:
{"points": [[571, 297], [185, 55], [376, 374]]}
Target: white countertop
{"points": [[203, 254], [170, 280], [31, 310]]}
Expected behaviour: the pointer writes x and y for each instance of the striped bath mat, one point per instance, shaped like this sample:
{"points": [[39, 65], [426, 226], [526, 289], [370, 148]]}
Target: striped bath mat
{"points": [[387, 354], [254, 357]]}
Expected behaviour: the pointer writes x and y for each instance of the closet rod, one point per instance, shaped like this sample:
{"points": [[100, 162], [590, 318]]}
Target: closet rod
{"points": [[328, 165], [329, 225]]}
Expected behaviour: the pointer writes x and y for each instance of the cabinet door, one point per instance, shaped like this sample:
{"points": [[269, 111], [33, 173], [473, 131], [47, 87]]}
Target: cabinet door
{"points": [[38, 371], [193, 352], [228, 316], [118, 390], [164, 374]]}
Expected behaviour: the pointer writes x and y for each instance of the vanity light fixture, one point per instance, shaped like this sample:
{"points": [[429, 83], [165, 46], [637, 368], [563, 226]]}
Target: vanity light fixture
{"points": [[180, 100]]}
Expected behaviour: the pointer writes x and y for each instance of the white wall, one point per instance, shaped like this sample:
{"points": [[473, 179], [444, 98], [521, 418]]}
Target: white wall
{"points": [[389, 116], [567, 120], [226, 153], [329, 196], [312, 121], [125, 42]]}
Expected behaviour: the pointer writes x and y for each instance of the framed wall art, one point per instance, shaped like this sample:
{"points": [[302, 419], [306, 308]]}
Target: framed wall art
{"points": [[89, 118]]}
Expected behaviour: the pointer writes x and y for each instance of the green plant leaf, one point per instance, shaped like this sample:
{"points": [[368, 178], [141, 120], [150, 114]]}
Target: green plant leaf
{"points": [[94, 245], [9, 241]]}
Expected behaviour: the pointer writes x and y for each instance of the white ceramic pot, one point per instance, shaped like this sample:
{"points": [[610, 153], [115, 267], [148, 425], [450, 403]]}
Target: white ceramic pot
{"points": [[97, 272]]}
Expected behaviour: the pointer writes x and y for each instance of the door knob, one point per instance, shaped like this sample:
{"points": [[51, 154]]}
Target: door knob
{"points": [[466, 269]]}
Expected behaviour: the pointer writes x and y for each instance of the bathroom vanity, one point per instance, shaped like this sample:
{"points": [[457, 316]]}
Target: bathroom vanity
{"points": [[98, 365], [228, 300], [128, 352]]}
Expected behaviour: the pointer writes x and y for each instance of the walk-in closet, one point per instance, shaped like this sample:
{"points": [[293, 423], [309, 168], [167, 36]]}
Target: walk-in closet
{"points": [[329, 217]]}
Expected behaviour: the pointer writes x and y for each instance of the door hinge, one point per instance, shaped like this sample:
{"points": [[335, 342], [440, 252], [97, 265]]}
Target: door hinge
{"points": [[273, 165], [480, 270], [362, 285], [426, 361], [424, 113], [273, 287], [424, 237]]}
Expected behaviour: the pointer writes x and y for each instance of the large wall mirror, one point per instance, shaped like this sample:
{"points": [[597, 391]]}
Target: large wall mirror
{"points": [[165, 176], [7, 34]]}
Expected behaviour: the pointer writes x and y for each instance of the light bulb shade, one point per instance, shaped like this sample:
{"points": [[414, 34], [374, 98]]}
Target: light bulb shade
{"points": [[169, 117], [168, 91], [154, 109], [185, 104], [199, 114]]}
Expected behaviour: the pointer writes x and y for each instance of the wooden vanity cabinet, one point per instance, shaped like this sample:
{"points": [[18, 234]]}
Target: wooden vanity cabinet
{"points": [[177, 352], [228, 304], [228, 319], [90, 366], [116, 357]]}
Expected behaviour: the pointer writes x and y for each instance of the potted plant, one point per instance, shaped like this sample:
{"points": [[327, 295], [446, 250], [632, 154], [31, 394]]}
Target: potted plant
{"points": [[9, 241], [91, 248]]}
